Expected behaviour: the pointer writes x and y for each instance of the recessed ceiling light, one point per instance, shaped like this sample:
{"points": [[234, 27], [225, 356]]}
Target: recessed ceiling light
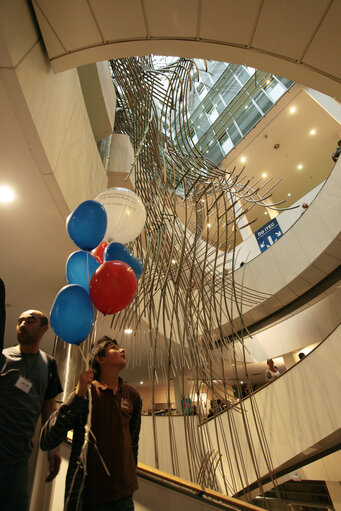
{"points": [[265, 212], [300, 166], [242, 382], [292, 109], [128, 331], [264, 175], [6, 194], [289, 194], [243, 159], [312, 132], [141, 382]]}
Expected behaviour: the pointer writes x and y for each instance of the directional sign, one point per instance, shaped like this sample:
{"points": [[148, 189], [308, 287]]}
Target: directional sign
{"points": [[268, 234]]}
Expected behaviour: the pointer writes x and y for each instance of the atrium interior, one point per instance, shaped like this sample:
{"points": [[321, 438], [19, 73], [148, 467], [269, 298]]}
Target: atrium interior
{"points": [[229, 146]]}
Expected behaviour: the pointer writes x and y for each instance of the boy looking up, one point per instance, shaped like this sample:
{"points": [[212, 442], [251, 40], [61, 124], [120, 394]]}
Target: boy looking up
{"points": [[103, 477]]}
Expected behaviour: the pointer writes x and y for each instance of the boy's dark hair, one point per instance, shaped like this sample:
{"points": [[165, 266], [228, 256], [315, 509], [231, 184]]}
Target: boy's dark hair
{"points": [[99, 351]]}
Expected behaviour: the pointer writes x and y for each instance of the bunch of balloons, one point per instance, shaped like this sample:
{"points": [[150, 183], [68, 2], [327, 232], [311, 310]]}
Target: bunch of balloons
{"points": [[103, 273]]}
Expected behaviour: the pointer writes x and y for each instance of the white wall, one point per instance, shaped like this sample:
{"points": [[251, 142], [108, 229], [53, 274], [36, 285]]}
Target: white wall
{"points": [[249, 248], [309, 326]]}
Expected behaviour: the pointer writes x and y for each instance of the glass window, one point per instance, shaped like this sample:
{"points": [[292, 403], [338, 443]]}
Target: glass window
{"points": [[215, 153], [227, 146], [231, 90], [287, 83], [235, 135], [248, 118], [275, 90], [229, 100], [263, 101], [242, 74]]}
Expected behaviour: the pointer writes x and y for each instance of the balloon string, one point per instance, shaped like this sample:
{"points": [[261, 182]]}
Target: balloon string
{"points": [[88, 432], [82, 354]]}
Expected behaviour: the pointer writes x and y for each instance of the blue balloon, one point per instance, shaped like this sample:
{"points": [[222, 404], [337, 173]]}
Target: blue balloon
{"points": [[118, 252], [72, 314], [87, 224], [80, 267]]}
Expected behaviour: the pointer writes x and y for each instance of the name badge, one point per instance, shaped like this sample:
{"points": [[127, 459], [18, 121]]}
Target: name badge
{"points": [[23, 384]]}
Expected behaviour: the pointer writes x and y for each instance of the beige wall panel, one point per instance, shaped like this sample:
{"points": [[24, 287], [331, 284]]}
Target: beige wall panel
{"points": [[334, 490], [300, 286], [17, 28], [51, 99], [200, 49], [259, 268], [108, 90], [99, 96], [115, 29], [308, 326], [172, 19], [296, 259], [271, 34], [34, 212], [79, 171], [73, 23], [57, 107], [160, 395], [121, 154], [326, 262], [227, 20], [323, 50], [325, 469], [313, 275], [327, 315], [119, 20], [53, 44], [307, 330], [311, 240]]}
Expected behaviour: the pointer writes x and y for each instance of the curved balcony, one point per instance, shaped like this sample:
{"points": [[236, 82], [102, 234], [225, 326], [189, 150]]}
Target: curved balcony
{"points": [[308, 252], [298, 413]]}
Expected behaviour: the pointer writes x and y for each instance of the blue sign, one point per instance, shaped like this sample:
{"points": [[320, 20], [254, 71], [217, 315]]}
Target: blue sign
{"points": [[268, 234]]}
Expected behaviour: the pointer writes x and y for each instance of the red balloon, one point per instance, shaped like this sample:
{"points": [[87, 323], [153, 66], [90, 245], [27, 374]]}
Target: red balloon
{"points": [[112, 287], [98, 252]]}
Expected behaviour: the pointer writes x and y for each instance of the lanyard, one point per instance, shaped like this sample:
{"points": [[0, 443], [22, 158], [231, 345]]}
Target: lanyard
{"points": [[29, 369]]}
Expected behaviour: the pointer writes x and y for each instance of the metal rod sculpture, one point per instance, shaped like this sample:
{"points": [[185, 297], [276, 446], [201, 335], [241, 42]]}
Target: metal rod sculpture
{"points": [[188, 290]]}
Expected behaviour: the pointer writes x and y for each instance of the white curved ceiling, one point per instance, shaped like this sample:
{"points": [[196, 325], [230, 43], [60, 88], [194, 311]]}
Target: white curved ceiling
{"points": [[296, 40]]}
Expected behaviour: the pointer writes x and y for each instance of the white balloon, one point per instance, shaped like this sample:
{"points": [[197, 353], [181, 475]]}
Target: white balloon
{"points": [[126, 214]]}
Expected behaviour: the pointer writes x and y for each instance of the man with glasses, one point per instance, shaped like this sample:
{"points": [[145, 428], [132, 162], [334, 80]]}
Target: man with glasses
{"points": [[105, 416]]}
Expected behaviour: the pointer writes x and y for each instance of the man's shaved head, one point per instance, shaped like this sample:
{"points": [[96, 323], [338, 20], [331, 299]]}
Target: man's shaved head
{"points": [[44, 320]]}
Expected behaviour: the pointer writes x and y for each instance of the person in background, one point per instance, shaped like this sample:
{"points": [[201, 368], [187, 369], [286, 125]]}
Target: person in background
{"points": [[272, 371], [101, 474], [210, 413], [336, 153], [29, 383]]}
